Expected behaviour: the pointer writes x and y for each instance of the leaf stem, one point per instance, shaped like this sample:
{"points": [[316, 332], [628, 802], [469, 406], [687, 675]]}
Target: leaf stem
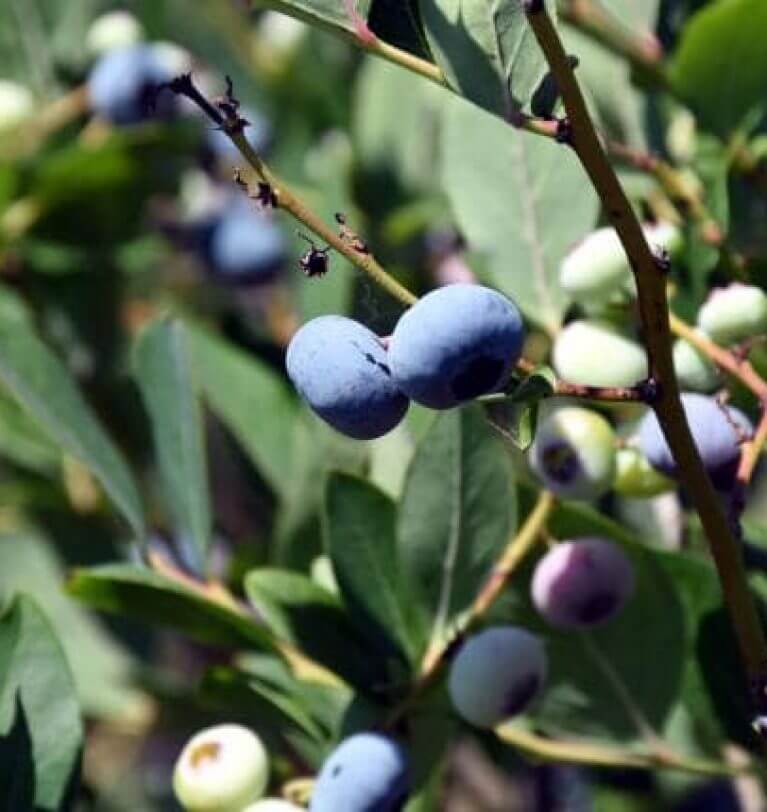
{"points": [[587, 753], [654, 312]]}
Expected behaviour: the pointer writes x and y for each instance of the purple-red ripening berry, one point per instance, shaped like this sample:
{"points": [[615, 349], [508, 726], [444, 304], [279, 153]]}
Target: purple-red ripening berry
{"points": [[582, 583]]}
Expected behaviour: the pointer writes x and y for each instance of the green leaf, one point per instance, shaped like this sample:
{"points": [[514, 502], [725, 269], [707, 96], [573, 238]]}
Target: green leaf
{"points": [[516, 417], [101, 667], [521, 200], [487, 50], [35, 679], [141, 594], [23, 442], [457, 512], [720, 64], [308, 616], [359, 532], [165, 375], [36, 378], [251, 400], [328, 14]]}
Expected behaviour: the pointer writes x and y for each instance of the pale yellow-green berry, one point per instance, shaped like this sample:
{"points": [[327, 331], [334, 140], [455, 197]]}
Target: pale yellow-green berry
{"points": [[693, 370], [16, 104], [596, 353], [734, 313], [221, 769], [116, 29], [634, 476]]}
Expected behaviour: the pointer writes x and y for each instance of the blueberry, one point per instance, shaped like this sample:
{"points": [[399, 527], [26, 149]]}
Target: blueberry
{"points": [[734, 313], [457, 343], [115, 29], [635, 477], [496, 674], [258, 134], [367, 772], [221, 769], [122, 86], [573, 453], [595, 353], [243, 246], [582, 583], [16, 104], [341, 369], [693, 370], [715, 434]]}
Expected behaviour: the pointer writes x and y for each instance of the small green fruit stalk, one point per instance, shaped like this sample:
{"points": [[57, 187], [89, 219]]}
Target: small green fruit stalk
{"points": [[221, 769], [636, 478], [735, 313]]}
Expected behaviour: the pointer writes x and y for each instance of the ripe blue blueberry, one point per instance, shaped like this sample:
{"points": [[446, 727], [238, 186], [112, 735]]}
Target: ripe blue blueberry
{"points": [[243, 246], [367, 772], [457, 343], [582, 583], [573, 453], [716, 429], [341, 369], [496, 674], [122, 87]]}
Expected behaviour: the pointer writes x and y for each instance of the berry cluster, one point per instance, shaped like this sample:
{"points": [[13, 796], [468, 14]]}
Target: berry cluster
{"points": [[456, 343]]}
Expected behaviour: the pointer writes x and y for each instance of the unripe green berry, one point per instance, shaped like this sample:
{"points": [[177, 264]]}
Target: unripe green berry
{"points": [[16, 104], [221, 769], [597, 269], [273, 805], [115, 29], [693, 370], [595, 353], [635, 477], [734, 313], [573, 453]]}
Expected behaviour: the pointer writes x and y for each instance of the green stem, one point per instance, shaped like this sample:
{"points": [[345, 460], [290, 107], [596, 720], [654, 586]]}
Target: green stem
{"points": [[654, 312]]}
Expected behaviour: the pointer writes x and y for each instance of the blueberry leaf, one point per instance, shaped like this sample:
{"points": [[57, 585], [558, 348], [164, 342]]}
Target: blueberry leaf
{"points": [[456, 514], [142, 594], [166, 378], [520, 200], [39, 715], [42, 385], [306, 615], [487, 50], [359, 531], [720, 64], [251, 400]]}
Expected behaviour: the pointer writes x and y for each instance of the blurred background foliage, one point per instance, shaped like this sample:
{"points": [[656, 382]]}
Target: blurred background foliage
{"points": [[182, 443]]}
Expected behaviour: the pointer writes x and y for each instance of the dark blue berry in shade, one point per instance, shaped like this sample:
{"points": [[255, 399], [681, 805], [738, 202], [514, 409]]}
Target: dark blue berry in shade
{"points": [[367, 772], [242, 245], [456, 343], [341, 369], [717, 430], [123, 86]]}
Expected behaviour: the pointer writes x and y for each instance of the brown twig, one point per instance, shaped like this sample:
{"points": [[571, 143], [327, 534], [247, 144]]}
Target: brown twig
{"points": [[654, 312]]}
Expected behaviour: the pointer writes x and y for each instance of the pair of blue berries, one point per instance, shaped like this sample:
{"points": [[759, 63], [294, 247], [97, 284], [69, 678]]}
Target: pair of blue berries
{"points": [[455, 344]]}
